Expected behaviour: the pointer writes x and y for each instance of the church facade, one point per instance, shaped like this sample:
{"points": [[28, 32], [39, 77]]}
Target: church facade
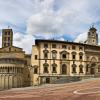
{"points": [[55, 61], [14, 71]]}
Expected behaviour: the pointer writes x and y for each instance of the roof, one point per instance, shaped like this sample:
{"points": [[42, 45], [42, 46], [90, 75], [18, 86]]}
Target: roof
{"points": [[65, 42], [11, 46]]}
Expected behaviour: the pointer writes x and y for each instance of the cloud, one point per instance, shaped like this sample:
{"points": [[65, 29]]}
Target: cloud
{"points": [[68, 18], [59, 19], [81, 37], [24, 41]]}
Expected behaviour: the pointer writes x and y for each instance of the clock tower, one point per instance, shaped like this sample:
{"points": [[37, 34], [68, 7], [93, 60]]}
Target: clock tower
{"points": [[92, 36]]}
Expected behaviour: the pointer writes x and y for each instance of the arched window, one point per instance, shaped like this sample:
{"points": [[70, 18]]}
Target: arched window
{"points": [[80, 68], [64, 55], [81, 56], [45, 54], [54, 54], [64, 69], [45, 65], [73, 55], [74, 68]]}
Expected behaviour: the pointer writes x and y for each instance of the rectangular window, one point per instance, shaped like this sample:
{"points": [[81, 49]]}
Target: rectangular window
{"points": [[81, 57], [35, 57], [54, 69], [53, 45], [8, 32], [45, 55], [8, 38], [74, 57], [73, 47], [45, 45]]}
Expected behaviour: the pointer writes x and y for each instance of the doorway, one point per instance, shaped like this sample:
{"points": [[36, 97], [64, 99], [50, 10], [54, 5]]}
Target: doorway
{"points": [[47, 80], [92, 69], [64, 69]]}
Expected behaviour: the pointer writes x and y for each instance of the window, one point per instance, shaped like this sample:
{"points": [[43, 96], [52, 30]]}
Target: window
{"points": [[87, 67], [64, 46], [99, 68], [53, 45], [45, 45], [73, 47], [74, 56], [8, 32], [35, 70], [74, 68], [54, 68], [45, 55], [80, 48], [54, 54], [64, 56], [81, 57], [35, 57], [8, 38], [64, 69], [45, 65], [45, 69], [80, 68]]}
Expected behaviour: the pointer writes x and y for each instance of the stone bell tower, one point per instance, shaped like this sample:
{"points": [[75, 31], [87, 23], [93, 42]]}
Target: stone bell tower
{"points": [[92, 36], [7, 37]]}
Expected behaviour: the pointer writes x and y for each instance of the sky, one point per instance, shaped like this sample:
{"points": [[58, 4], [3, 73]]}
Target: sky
{"points": [[48, 19]]}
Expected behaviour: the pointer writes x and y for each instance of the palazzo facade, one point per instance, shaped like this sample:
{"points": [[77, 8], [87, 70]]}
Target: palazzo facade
{"points": [[55, 60], [51, 61]]}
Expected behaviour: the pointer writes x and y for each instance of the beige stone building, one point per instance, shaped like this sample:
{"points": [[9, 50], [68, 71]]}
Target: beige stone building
{"points": [[56, 61], [14, 70], [52, 61]]}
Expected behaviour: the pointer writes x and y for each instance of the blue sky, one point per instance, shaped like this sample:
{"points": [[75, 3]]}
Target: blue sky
{"points": [[59, 19]]}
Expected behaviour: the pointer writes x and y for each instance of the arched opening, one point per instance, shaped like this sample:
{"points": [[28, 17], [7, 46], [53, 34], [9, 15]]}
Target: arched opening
{"points": [[64, 69], [92, 69], [47, 80]]}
